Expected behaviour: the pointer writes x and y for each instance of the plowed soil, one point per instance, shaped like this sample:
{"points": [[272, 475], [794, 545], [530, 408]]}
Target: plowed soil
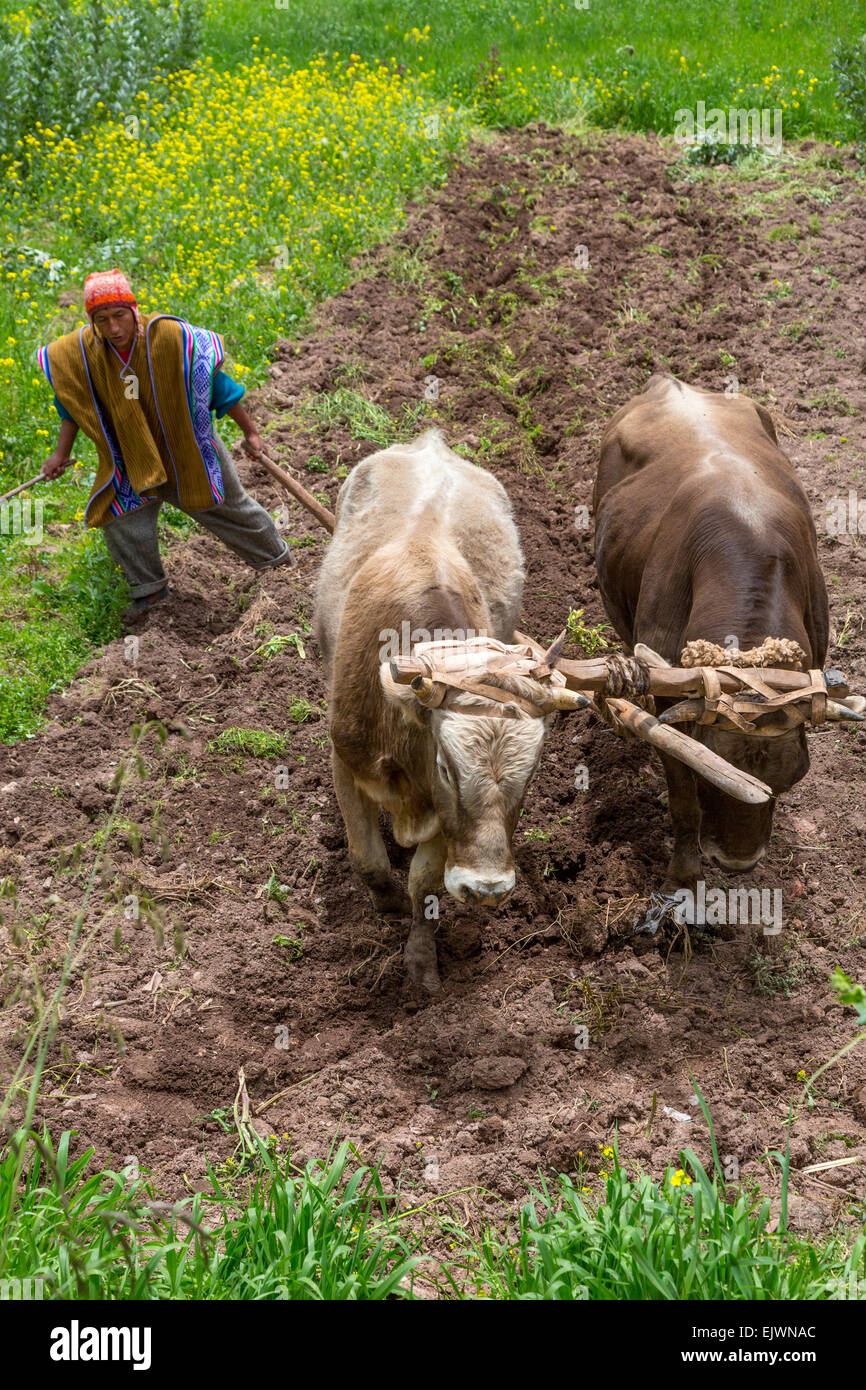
{"points": [[707, 274]]}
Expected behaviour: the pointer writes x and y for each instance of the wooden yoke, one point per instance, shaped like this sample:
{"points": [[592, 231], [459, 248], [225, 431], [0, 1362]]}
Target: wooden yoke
{"points": [[439, 672]]}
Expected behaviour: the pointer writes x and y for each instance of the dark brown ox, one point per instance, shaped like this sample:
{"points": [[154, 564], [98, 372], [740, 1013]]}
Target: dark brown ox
{"points": [[424, 547], [703, 531]]}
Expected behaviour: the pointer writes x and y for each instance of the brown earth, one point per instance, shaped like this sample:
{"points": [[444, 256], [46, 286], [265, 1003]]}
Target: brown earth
{"points": [[706, 274]]}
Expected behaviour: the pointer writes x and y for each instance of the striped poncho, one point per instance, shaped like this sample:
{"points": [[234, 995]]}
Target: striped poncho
{"points": [[149, 417]]}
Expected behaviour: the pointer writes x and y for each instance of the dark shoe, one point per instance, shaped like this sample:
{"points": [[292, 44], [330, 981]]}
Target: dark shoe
{"points": [[140, 606]]}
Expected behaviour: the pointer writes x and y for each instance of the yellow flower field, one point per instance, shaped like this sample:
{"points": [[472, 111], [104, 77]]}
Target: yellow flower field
{"points": [[241, 193], [235, 199]]}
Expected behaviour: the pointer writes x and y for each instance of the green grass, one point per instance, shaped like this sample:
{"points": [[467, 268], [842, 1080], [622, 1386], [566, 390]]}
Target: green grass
{"points": [[256, 743], [660, 1242], [264, 1229], [55, 606], [364, 419], [325, 1232], [551, 57]]}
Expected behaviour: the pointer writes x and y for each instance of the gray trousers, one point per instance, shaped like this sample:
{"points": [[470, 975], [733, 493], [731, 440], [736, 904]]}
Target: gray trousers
{"points": [[239, 522]]}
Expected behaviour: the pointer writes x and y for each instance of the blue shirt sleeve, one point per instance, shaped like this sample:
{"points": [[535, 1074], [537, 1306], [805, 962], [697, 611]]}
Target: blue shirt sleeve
{"points": [[62, 411], [224, 393]]}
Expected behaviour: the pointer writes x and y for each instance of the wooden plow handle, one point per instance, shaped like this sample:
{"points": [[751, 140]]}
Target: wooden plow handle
{"points": [[299, 492]]}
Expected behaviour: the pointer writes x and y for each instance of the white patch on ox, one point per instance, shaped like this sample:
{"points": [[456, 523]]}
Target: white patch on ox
{"points": [[693, 406], [739, 474], [742, 498], [433, 477], [491, 753]]}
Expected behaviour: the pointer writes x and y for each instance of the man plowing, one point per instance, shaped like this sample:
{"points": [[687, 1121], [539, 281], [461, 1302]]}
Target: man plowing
{"points": [[143, 389]]}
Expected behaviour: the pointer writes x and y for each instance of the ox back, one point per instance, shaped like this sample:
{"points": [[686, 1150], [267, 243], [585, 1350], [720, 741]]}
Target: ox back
{"points": [[703, 531], [442, 540], [424, 547]]}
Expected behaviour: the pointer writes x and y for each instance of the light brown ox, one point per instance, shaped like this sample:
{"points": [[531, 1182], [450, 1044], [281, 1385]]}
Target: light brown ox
{"points": [[424, 538], [704, 532]]}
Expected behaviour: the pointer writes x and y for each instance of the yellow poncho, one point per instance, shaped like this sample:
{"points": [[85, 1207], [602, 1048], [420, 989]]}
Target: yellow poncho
{"points": [[149, 417]]}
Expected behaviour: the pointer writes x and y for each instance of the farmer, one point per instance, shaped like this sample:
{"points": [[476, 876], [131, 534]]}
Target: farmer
{"points": [[143, 390]]}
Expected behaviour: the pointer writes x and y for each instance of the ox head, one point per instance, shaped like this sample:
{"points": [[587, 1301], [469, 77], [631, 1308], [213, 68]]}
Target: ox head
{"points": [[481, 756], [734, 835], [482, 767]]}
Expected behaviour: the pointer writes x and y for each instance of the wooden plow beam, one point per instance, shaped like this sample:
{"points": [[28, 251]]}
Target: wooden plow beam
{"points": [[299, 492]]}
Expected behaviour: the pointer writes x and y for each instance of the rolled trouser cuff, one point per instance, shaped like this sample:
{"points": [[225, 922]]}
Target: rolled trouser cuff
{"points": [[133, 544], [145, 590], [286, 558]]}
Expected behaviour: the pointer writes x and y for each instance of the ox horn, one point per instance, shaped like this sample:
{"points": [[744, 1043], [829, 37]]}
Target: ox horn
{"points": [[838, 711], [648, 656], [567, 699], [684, 712], [428, 692]]}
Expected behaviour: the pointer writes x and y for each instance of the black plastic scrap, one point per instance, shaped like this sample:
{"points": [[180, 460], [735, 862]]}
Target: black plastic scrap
{"points": [[659, 907]]}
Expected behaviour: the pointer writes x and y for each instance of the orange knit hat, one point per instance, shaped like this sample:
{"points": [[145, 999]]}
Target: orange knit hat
{"points": [[108, 288]]}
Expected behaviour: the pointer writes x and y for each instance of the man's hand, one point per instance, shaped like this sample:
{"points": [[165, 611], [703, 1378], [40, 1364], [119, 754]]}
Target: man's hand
{"points": [[54, 465], [253, 445]]}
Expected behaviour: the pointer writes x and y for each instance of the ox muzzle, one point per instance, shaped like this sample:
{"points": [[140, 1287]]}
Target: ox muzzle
{"points": [[488, 889]]}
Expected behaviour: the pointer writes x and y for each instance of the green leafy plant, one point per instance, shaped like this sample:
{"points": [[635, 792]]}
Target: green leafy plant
{"points": [[69, 65], [301, 710], [591, 639], [714, 152], [848, 993], [848, 65], [293, 944], [281, 644]]}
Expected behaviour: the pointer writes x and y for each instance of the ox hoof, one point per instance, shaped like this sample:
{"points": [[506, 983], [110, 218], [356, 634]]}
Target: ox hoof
{"points": [[396, 903], [682, 873], [388, 896], [427, 980], [674, 882], [421, 965]]}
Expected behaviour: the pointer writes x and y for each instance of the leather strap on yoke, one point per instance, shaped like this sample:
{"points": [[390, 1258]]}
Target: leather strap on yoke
{"points": [[743, 712]]}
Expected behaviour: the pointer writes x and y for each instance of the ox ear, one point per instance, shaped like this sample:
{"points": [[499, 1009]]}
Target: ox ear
{"points": [[857, 703], [403, 696], [397, 694], [648, 656]]}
